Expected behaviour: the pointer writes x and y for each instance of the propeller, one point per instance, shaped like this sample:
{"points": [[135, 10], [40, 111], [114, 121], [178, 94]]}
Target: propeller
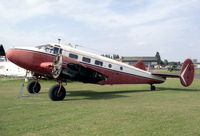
{"points": [[57, 66]]}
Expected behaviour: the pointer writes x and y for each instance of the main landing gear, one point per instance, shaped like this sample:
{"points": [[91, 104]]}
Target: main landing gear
{"points": [[34, 87], [57, 92], [152, 87]]}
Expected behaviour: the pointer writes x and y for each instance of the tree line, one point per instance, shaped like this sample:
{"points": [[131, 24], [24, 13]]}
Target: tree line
{"points": [[113, 56], [161, 62], [165, 62]]}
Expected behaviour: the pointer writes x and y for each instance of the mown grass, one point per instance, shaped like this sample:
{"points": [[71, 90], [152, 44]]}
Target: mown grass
{"points": [[90, 110], [197, 71]]}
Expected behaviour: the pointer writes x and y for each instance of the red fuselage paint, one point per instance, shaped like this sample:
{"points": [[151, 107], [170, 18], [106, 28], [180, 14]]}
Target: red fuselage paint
{"points": [[33, 61]]}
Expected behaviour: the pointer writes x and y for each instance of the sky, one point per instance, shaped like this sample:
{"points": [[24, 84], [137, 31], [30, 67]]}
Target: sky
{"points": [[124, 27]]}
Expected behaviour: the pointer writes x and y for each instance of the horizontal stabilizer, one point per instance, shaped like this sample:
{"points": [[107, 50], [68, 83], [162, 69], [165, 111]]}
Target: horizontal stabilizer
{"points": [[186, 76], [166, 75]]}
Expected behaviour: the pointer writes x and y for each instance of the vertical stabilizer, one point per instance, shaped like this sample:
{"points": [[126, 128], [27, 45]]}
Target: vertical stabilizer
{"points": [[187, 73], [140, 65]]}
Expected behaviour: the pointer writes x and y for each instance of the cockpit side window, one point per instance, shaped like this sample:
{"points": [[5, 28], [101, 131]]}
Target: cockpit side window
{"points": [[57, 50], [46, 48]]}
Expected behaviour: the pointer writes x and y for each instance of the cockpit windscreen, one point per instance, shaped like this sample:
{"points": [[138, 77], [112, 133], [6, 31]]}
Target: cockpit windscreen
{"points": [[50, 49]]}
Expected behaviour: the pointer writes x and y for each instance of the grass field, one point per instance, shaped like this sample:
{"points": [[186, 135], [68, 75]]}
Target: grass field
{"points": [[93, 110]]}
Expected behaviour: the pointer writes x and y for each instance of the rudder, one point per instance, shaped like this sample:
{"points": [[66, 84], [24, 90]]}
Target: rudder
{"points": [[187, 73]]}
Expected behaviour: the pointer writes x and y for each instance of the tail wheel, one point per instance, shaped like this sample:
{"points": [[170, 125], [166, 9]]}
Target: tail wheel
{"points": [[33, 87], [153, 88], [57, 93]]}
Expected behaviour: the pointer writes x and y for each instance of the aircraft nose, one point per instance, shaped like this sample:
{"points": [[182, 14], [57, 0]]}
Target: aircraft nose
{"points": [[15, 56], [21, 57], [10, 54]]}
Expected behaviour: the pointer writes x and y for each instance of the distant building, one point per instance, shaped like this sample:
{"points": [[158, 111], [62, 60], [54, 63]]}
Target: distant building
{"points": [[2, 58], [9, 69], [148, 61], [196, 63]]}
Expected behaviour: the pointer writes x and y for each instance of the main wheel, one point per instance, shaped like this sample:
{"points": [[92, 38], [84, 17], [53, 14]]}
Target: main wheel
{"points": [[33, 87], [56, 93]]}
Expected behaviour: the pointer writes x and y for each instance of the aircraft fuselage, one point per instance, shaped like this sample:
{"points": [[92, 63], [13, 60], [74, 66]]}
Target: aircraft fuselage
{"points": [[39, 61]]}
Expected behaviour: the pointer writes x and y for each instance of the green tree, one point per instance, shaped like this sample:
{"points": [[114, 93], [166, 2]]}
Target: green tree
{"points": [[166, 62], [115, 56], [159, 61]]}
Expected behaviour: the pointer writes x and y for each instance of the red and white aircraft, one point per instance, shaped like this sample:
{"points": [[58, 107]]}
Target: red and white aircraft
{"points": [[63, 62]]}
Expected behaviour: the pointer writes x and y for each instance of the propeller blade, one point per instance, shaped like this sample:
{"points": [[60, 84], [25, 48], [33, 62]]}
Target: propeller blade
{"points": [[2, 52]]}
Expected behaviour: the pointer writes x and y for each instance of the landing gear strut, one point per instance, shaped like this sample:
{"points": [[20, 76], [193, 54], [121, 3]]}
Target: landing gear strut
{"points": [[57, 92], [153, 87], [34, 87]]}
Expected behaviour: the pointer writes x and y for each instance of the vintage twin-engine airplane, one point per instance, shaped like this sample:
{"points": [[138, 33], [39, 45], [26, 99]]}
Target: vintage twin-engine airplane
{"points": [[65, 62]]}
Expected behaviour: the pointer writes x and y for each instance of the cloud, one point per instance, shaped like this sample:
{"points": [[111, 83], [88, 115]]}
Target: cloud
{"points": [[100, 13], [129, 27]]}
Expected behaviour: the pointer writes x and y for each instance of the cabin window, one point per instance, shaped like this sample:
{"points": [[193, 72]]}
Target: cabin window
{"points": [[73, 56], [98, 63], [110, 65], [86, 59], [121, 68]]}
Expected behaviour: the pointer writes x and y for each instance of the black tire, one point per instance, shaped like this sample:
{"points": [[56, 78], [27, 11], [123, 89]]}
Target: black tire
{"points": [[53, 93], [32, 89], [153, 88]]}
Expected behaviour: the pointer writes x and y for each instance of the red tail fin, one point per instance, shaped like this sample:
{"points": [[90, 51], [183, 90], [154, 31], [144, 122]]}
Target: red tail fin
{"points": [[187, 73]]}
